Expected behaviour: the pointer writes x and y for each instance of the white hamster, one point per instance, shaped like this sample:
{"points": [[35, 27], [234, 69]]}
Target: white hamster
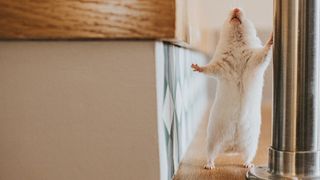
{"points": [[239, 64]]}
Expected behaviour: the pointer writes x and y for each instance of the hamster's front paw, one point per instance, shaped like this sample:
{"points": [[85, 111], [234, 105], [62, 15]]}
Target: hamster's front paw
{"points": [[209, 165], [196, 67], [270, 41], [248, 165]]}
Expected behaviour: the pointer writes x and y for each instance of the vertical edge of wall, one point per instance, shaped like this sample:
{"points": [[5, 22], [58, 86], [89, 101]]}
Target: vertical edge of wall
{"points": [[78, 110], [181, 26], [160, 76]]}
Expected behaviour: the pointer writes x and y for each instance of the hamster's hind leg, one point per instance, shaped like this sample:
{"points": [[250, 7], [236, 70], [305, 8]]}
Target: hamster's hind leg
{"points": [[249, 153], [213, 148]]}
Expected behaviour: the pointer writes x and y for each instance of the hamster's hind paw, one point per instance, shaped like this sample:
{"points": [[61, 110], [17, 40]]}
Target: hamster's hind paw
{"points": [[209, 166], [248, 165]]}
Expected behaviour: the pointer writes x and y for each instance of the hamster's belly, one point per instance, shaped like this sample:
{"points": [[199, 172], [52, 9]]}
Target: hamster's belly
{"points": [[239, 137], [239, 120], [227, 103]]}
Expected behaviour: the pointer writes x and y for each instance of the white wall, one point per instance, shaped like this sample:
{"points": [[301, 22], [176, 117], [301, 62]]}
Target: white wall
{"points": [[182, 97]]}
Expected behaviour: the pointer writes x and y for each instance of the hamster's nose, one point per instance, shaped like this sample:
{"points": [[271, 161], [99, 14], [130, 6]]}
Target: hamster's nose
{"points": [[236, 10]]}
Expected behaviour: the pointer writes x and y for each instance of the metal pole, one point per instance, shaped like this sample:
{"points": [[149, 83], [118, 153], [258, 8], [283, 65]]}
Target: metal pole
{"points": [[295, 150]]}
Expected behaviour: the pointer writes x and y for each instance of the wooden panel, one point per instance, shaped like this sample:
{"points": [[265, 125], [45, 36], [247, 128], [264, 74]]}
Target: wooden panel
{"points": [[87, 19]]}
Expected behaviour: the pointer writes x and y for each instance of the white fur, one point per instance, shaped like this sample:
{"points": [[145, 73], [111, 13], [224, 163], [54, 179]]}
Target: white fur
{"points": [[238, 65]]}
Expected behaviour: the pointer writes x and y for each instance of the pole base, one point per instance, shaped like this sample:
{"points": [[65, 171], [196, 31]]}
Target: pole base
{"points": [[294, 163], [262, 173], [259, 172]]}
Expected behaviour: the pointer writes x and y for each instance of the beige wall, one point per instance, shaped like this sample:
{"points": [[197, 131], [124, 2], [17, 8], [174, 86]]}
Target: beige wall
{"points": [[212, 13], [207, 16], [78, 111]]}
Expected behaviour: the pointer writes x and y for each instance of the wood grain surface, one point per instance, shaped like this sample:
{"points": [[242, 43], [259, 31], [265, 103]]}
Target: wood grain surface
{"points": [[87, 19], [227, 167]]}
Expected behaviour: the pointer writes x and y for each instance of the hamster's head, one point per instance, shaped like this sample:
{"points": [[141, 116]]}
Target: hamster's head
{"points": [[236, 17], [237, 25]]}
